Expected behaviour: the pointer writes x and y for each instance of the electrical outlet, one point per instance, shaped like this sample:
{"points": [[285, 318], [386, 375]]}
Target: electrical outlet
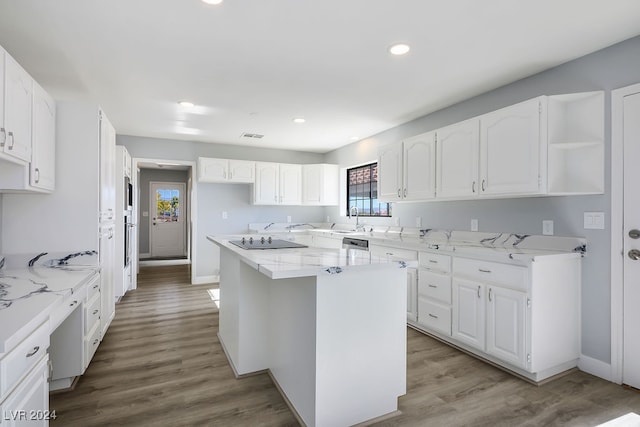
{"points": [[418, 221], [594, 220], [396, 221], [474, 225], [224, 215], [328, 218], [547, 228], [289, 219]]}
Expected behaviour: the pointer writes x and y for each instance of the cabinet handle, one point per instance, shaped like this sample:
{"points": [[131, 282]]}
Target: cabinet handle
{"points": [[483, 185], [4, 137], [34, 351], [478, 291], [433, 315], [37, 171], [405, 192], [13, 140], [433, 261], [96, 341], [484, 271], [473, 187], [398, 193], [489, 294], [224, 175], [433, 286], [73, 303], [95, 312], [96, 286]]}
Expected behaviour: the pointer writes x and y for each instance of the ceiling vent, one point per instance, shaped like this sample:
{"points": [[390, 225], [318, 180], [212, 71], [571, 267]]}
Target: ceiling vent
{"points": [[251, 135]]}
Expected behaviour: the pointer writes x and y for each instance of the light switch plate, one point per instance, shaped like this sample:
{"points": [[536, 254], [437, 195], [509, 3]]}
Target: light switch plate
{"points": [[594, 220], [224, 215], [418, 221], [289, 218], [547, 228], [474, 225], [396, 221]]}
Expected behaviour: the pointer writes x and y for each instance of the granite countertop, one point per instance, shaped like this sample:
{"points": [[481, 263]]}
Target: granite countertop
{"points": [[28, 295], [304, 262]]}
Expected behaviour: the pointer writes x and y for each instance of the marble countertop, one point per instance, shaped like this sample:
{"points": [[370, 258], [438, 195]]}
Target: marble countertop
{"points": [[512, 248], [304, 262], [28, 295]]}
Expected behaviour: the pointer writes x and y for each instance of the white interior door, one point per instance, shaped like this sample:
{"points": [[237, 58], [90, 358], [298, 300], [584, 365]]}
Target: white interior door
{"points": [[631, 287], [167, 225]]}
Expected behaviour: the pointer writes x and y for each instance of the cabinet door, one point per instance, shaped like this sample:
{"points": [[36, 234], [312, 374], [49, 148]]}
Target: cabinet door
{"points": [[107, 169], [241, 171], [506, 325], [390, 173], [469, 312], [30, 399], [107, 268], [419, 167], [312, 184], [266, 188], [457, 164], [290, 184], [212, 170], [412, 294], [43, 164], [510, 149], [18, 99]]}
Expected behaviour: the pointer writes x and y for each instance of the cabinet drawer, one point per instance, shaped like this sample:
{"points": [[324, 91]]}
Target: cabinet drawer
{"points": [[91, 313], [62, 312], [435, 286], [19, 361], [512, 276], [395, 254], [93, 287], [434, 316], [435, 262], [91, 343]]}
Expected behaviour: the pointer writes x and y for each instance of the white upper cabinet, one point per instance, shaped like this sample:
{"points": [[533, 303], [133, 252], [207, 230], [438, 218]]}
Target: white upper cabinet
{"points": [[419, 167], [43, 156], [277, 184], [458, 148], [225, 170], [320, 185], [18, 91], [107, 169], [510, 149], [407, 169]]}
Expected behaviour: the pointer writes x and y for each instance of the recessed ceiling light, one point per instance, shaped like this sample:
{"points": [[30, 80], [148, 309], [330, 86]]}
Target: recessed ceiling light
{"points": [[299, 120], [399, 49], [186, 104], [212, 1]]}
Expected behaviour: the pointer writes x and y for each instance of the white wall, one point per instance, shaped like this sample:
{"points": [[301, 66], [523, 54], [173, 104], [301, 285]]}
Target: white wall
{"points": [[614, 67]]}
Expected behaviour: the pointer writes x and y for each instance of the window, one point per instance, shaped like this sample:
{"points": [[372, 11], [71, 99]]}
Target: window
{"points": [[362, 191]]}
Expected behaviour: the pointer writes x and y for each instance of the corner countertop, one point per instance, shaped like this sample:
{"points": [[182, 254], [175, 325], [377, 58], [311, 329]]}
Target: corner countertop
{"points": [[304, 262], [28, 295]]}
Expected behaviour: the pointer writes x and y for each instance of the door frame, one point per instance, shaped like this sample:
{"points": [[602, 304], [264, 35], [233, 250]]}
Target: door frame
{"points": [[185, 220], [617, 228], [191, 200]]}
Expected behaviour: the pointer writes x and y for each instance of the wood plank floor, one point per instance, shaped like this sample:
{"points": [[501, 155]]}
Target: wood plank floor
{"points": [[161, 364]]}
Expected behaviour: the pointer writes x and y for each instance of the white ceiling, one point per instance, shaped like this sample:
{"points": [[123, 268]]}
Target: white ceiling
{"points": [[253, 65]]}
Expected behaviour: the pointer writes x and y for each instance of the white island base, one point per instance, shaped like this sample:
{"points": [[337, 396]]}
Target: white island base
{"points": [[334, 342]]}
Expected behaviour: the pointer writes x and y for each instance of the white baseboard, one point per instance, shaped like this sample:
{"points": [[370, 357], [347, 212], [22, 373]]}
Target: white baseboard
{"points": [[595, 367], [201, 280], [141, 256], [154, 262]]}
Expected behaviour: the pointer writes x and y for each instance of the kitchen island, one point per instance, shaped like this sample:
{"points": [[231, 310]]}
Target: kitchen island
{"points": [[329, 325]]}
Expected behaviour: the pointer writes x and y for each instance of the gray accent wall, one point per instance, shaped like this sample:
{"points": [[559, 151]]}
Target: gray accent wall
{"points": [[235, 199], [146, 177], [610, 68]]}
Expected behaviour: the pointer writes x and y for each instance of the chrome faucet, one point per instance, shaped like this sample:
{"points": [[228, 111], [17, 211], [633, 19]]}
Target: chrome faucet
{"points": [[358, 226]]}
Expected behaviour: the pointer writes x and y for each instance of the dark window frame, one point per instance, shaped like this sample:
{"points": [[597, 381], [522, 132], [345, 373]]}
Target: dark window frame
{"points": [[362, 190]]}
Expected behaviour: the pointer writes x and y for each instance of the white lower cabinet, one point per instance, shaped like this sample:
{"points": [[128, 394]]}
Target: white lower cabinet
{"points": [[523, 317], [28, 405]]}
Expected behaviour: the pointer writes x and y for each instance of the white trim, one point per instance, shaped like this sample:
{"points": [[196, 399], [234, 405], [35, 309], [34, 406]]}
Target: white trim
{"points": [[595, 367], [184, 202], [202, 280], [145, 255], [617, 224]]}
